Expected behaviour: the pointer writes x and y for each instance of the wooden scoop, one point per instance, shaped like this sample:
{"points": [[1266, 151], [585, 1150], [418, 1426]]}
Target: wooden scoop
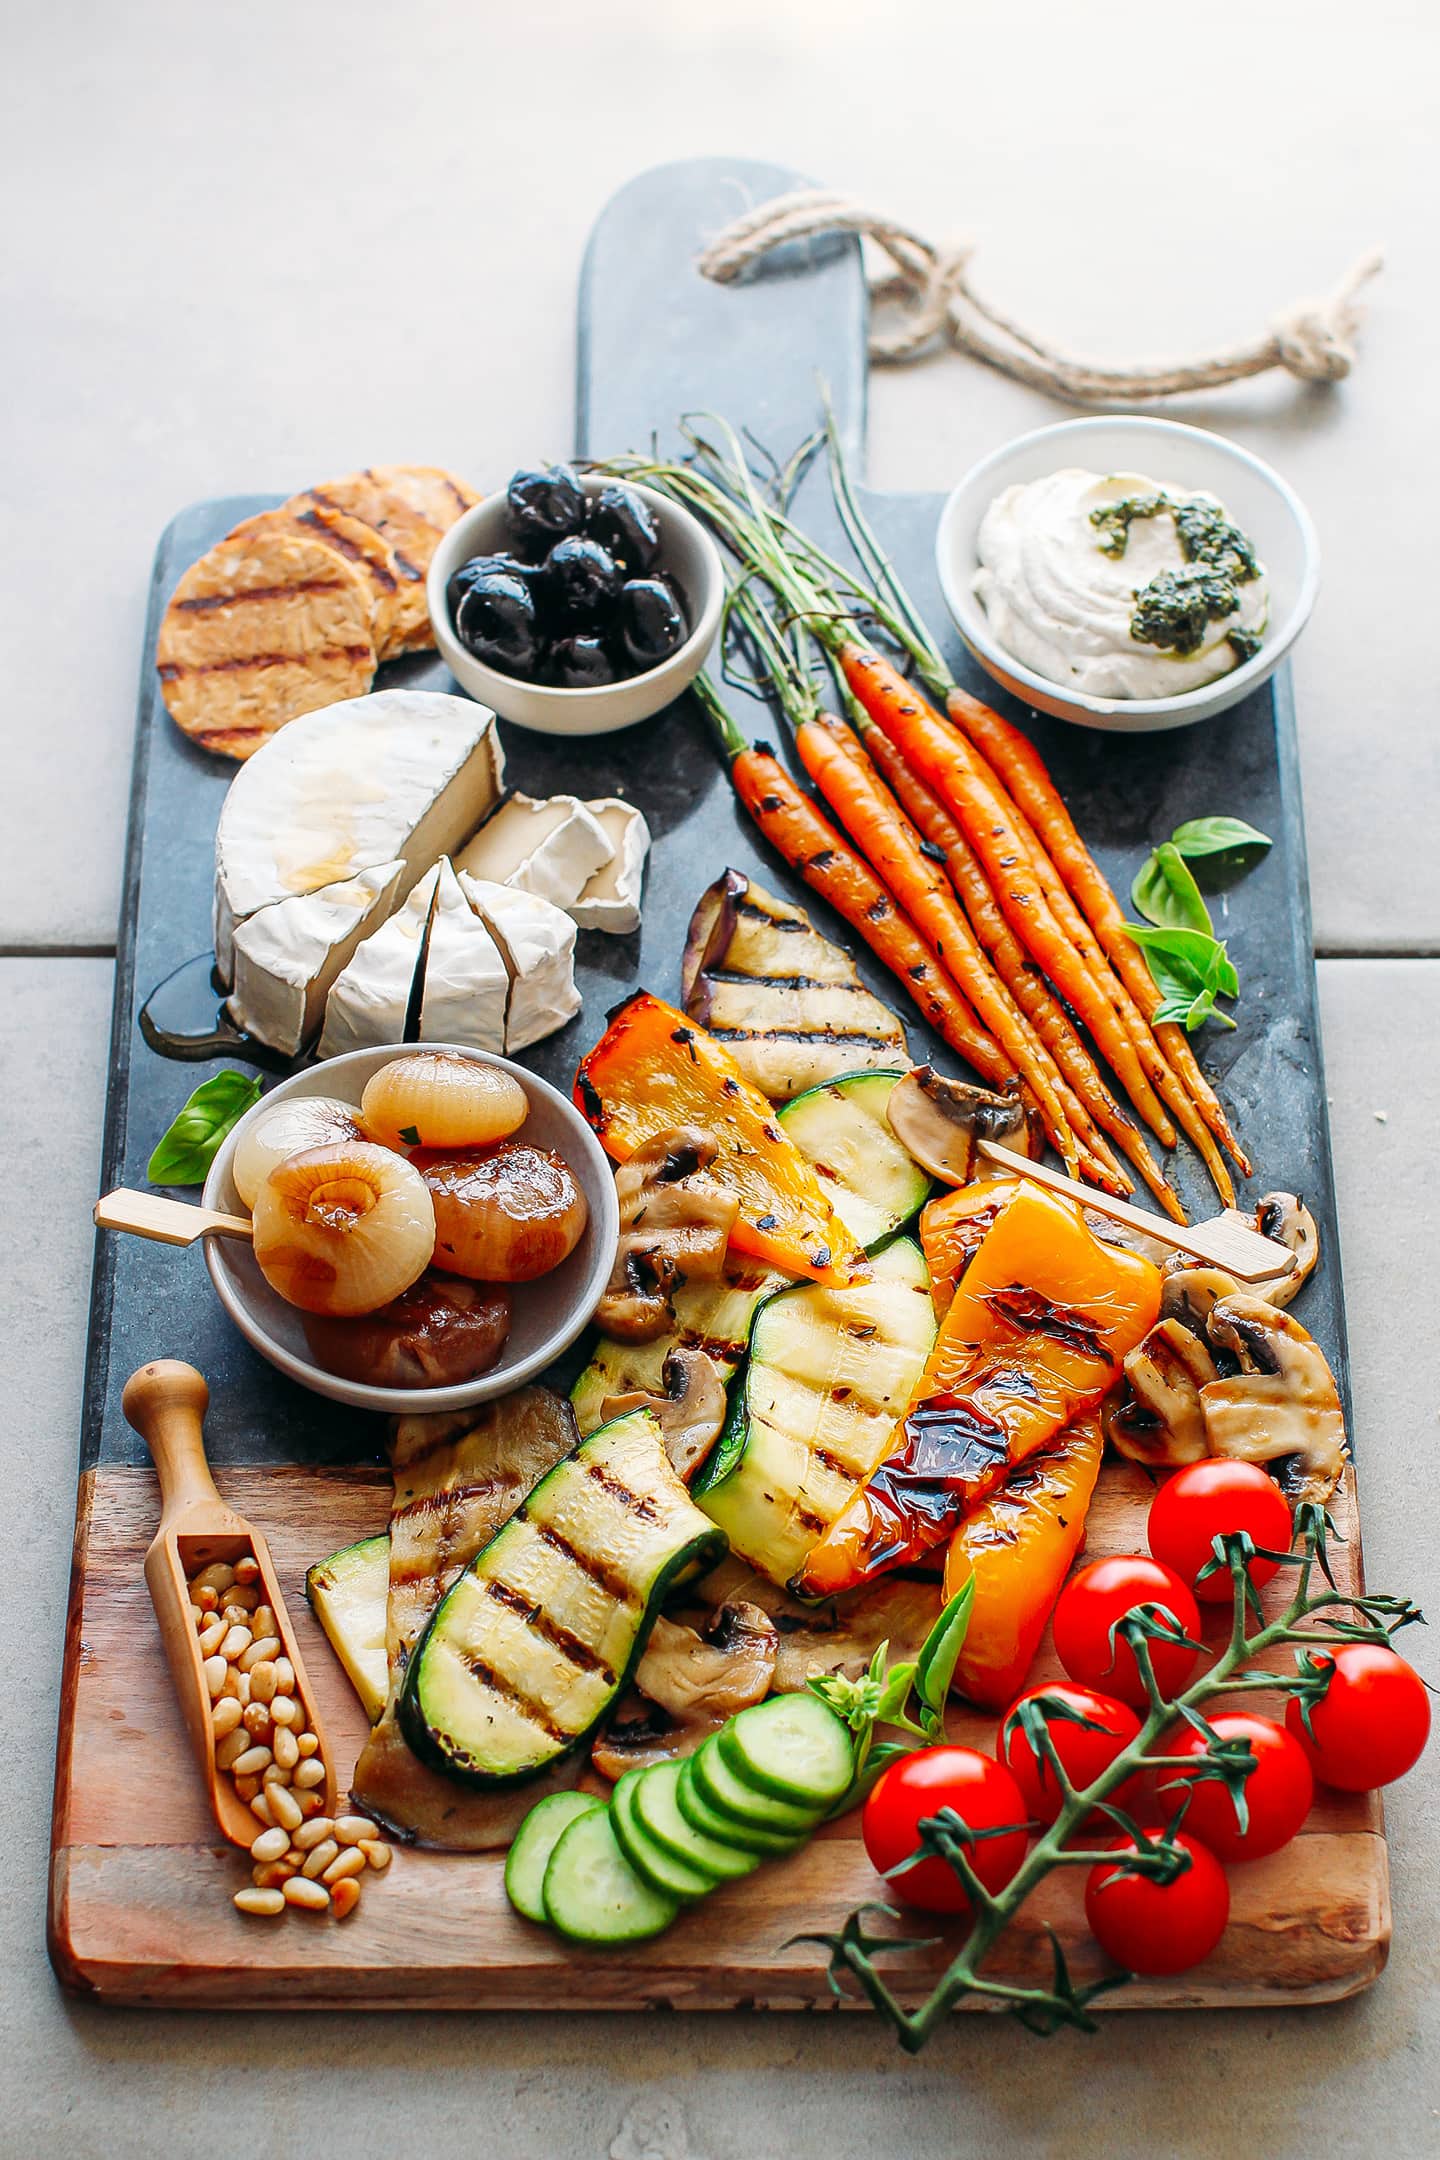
{"points": [[165, 1402]]}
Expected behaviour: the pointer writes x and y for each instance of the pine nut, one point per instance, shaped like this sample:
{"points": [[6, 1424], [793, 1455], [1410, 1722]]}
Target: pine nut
{"points": [[284, 1675], [300, 1890], [262, 1681], [377, 1854], [344, 1897], [237, 1642], [309, 1773], [229, 1750], [282, 1740], [268, 1902], [313, 1833], [311, 1805], [252, 1762], [255, 1717], [274, 1875], [263, 1621], [319, 1857], [211, 1637], [284, 1709], [349, 1862], [308, 1744], [246, 1788], [248, 1569], [284, 1807], [204, 1597], [271, 1845], [197, 1615], [274, 1775], [217, 1577], [215, 1671], [253, 1650], [353, 1829], [260, 1809], [225, 1715], [235, 1615], [237, 1684]]}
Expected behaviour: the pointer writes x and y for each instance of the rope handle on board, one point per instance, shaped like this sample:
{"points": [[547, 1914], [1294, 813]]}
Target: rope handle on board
{"points": [[927, 295]]}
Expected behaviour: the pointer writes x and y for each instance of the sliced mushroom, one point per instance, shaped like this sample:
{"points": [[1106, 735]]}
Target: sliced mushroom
{"points": [[1157, 1420], [1282, 1406], [675, 1225], [1285, 1217], [940, 1121], [1190, 1294], [691, 1684], [691, 1410]]}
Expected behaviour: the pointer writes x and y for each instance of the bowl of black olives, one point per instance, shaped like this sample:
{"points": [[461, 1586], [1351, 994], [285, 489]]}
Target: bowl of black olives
{"points": [[575, 603]]}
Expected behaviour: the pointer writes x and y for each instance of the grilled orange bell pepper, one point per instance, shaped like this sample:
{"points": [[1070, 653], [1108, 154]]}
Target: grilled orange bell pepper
{"points": [[652, 1070], [1016, 1548], [951, 1228], [1034, 1336]]}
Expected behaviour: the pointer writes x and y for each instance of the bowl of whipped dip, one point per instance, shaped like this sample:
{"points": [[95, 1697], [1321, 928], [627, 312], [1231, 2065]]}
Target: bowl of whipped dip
{"points": [[1127, 574]]}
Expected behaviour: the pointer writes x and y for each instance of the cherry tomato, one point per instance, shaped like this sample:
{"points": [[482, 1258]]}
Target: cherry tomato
{"points": [[1149, 1927], [1279, 1791], [1373, 1722], [1207, 1500], [983, 1794], [1103, 1593], [1084, 1752]]}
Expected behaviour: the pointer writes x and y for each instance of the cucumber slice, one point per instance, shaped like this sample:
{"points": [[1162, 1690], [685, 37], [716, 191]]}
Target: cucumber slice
{"points": [[873, 1183], [657, 1812], [733, 1794], [591, 1892], [535, 1840], [792, 1747], [726, 1829], [665, 1871]]}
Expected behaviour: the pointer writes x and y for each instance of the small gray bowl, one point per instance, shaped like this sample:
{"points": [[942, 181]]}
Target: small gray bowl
{"points": [[687, 553], [548, 1313]]}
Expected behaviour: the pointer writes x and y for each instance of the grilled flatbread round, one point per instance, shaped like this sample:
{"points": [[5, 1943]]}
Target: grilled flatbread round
{"points": [[365, 549], [410, 506], [260, 629]]}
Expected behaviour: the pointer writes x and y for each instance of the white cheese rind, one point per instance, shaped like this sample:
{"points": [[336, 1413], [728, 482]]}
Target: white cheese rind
{"points": [[401, 775], [467, 985], [611, 899], [288, 954], [537, 944], [550, 848], [369, 1002]]}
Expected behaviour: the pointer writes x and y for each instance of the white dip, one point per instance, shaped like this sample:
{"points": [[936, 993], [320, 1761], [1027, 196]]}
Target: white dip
{"points": [[1066, 608]]}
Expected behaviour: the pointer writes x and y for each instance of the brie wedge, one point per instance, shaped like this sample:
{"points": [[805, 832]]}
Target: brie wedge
{"points": [[537, 944], [369, 1002], [548, 848], [288, 955], [467, 985], [611, 899], [401, 775]]}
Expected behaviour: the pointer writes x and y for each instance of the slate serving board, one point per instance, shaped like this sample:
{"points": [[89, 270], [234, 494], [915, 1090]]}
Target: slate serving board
{"points": [[139, 1905]]}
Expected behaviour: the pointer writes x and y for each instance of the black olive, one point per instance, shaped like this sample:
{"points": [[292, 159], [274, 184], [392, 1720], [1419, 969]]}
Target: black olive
{"points": [[479, 566], [624, 522], [496, 621], [582, 575], [546, 505], [652, 621], [581, 663]]}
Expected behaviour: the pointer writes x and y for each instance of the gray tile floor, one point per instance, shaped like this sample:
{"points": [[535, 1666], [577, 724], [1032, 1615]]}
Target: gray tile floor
{"points": [[206, 304]]}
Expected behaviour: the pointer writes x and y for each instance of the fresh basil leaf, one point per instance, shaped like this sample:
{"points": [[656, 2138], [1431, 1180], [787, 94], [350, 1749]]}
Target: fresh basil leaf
{"points": [[1190, 970], [1166, 894], [1220, 975], [184, 1154], [935, 1665], [1213, 835]]}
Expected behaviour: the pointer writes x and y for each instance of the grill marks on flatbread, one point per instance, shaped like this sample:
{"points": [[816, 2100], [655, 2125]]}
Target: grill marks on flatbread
{"points": [[264, 627], [411, 507]]}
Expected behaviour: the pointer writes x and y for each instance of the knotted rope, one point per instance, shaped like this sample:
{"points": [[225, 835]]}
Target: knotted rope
{"points": [[926, 295]]}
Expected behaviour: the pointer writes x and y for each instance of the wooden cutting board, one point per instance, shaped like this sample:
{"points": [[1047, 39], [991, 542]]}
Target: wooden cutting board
{"points": [[140, 1892]]}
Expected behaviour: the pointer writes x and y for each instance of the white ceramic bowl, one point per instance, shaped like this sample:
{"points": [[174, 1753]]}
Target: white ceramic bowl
{"points": [[1179, 457], [548, 1313], [687, 553]]}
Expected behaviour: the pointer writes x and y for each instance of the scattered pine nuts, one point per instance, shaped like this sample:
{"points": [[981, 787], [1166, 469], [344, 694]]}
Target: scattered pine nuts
{"points": [[309, 1773], [319, 1857], [267, 1902], [307, 1742], [376, 1853], [344, 1897], [246, 1788], [273, 1875], [349, 1862], [353, 1829], [259, 1806], [312, 1803], [271, 1844], [285, 1807], [314, 1833], [300, 1890]]}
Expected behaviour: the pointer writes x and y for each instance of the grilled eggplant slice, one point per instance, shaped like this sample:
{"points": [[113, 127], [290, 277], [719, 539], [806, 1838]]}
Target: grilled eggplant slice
{"points": [[348, 1595], [537, 1638], [787, 1003], [830, 1371]]}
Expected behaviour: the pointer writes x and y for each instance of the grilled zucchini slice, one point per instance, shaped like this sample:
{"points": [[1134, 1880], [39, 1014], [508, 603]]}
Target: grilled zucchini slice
{"points": [[534, 1642], [348, 1594], [875, 1185], [710, 1316], [831, 1369]]}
